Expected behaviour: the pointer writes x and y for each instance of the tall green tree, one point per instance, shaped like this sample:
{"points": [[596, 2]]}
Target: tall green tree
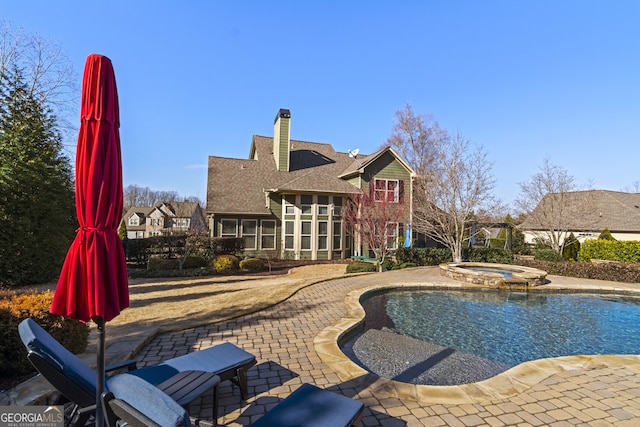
{"points": [[37, 215]]}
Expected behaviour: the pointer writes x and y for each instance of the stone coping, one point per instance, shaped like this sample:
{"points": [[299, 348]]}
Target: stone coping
{"points": [[461, 271], [504, 385]]}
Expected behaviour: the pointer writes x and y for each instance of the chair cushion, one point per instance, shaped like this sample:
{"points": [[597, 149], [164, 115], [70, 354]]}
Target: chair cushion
{"points": [[149, 400], [37, 340], [310, 406], [217, 359]]}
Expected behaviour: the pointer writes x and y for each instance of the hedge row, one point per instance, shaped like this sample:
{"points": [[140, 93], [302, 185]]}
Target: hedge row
{"points": [[612, 271], [612, 250], [139, 251], [436, 256]]}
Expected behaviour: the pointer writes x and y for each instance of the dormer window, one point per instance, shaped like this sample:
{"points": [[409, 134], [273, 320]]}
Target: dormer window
{"points": [[134, 220]]}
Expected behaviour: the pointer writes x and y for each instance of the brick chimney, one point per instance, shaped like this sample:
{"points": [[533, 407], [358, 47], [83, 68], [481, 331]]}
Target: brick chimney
{"points": [[281, 140]]}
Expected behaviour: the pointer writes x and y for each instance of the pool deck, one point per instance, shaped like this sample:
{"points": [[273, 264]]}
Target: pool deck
{"points": [[292, 341]]}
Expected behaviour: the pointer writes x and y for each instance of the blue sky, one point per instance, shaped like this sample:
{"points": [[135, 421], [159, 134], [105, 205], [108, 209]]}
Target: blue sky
{"points": [[525, 79]]}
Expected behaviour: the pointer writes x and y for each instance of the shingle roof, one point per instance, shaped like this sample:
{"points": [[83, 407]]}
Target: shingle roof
{"points": [[239, 185], [594, 210], [359, 164], [183, 209]]}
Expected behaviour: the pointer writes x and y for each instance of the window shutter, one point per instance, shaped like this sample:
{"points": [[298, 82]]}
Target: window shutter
{"points": [[401, 191]]}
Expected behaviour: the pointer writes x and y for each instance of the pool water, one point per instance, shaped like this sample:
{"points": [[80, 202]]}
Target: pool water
{"points": [[507, 274], [511, 327]]}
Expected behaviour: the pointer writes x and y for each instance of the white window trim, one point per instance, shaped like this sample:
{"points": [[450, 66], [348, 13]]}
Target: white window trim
{"points": [[222, 220], [396, 190], [274, 235], [254, 235]]}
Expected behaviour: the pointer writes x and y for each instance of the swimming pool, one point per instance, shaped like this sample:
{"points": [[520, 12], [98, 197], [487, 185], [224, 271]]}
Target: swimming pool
{"points": [[510, 327]]}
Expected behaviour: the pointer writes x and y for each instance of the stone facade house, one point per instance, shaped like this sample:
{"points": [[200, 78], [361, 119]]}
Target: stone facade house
{"points": [[286, 198]]}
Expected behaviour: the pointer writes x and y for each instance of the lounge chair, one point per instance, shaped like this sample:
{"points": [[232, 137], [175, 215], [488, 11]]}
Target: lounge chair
{"points": [[77, 381], [137, 403]]}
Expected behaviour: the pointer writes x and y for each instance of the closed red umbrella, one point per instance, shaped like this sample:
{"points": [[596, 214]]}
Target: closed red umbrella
{"points": [[93, 283]]}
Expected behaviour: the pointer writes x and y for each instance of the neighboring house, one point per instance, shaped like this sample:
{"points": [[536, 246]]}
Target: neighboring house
{"points": [[586, 214], [286, 199], [136, 222], [165, 219]]}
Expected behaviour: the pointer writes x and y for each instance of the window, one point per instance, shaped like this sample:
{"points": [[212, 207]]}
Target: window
{"points": [[229, 228], [268, 234], [305, 236], [289, 229], [337, 206], [323, 205], [134, 220], [155, 221], [289, 207], [337, 235], [392, 232], [306, 203], [322, 235], [180, 222], [249, 229], [386, 190]]}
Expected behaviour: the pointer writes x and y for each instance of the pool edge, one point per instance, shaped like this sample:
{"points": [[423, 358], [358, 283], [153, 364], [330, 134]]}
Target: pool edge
{"points": [[503, 385]]}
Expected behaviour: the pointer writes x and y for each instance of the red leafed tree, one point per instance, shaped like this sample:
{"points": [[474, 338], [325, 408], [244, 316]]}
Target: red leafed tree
{"points": [[372, 218]]}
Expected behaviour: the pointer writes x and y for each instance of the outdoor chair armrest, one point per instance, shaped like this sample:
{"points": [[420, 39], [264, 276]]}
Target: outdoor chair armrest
{"points": [[130, 365]]}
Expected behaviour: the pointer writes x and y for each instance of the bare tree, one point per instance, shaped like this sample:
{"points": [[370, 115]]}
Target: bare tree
{"points": [[417, 139], [48, 71], [143, 196], [634, 188], [457, 189], [548, 199], [373, 220]]}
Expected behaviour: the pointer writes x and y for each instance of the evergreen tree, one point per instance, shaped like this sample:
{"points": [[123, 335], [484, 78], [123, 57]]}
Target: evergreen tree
{"points": [[606, 235], [37, 214]]}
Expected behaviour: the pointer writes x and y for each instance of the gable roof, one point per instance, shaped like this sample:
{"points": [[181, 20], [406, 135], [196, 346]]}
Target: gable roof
{"points": [[141, 211], [359, 165], [182, 209], [593, 210], [239, 185]]}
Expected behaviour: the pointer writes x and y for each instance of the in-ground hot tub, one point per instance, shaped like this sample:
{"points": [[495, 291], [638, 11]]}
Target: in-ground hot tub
{"points": [[494, 275]]}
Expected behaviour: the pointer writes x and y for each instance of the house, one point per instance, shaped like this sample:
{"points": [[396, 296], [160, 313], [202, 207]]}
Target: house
{"points": [[286, 198], [585, 214], [165, 219]]}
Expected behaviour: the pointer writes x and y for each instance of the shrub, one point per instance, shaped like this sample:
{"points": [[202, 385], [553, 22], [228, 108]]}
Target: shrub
{"points": [[14, 308], [361, 267], [252, 264], [224, 263], [423, 256], [227, 245], [194, 262], [606, 235], [497, 255], [157, 263], [545, 254], [629, 273], [388, 265], [612, 250], [407, 265], [571, 248]]}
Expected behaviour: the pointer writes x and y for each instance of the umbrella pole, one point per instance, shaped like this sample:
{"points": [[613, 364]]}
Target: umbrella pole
{"points": [[100, 369]]}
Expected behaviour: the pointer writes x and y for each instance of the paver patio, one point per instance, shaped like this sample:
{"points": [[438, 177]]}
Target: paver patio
{"points": [[282, 338]]}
